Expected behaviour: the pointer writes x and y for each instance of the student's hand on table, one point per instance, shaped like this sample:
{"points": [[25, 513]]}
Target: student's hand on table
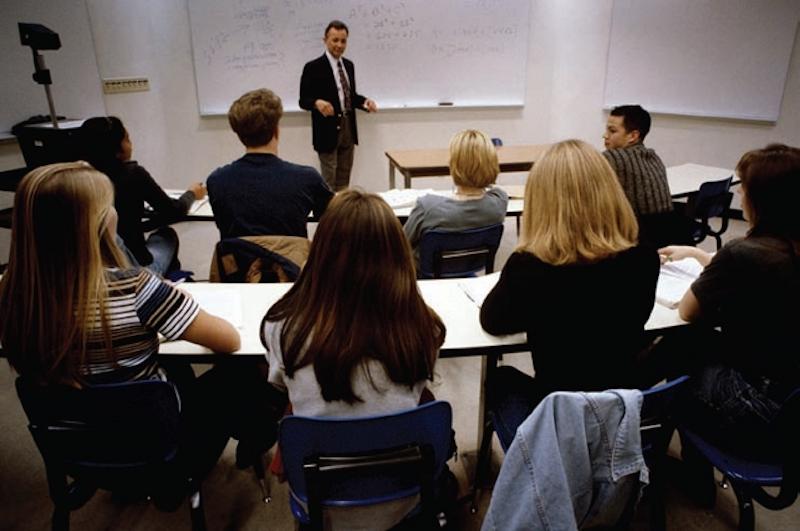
{"points": [[324, 107], [199, 191], [679, 252]]}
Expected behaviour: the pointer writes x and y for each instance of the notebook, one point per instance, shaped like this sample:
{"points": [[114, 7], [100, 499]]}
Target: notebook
{"points": [[674, 279]]}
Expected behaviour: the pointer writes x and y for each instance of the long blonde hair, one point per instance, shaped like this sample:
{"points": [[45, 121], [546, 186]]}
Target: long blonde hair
{"points": [[575, 209], [55, 281]]}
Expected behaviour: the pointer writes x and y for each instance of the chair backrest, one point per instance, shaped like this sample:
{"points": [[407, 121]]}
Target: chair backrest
{"points": [[103, 429], [655, 420], [259, 259], [370, 460], [444, 254], [712, 199]]}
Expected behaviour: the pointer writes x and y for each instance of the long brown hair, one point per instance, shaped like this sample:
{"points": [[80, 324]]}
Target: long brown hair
{"points": [[55, 281], [357, 299], [771, 183], [575, 210]]}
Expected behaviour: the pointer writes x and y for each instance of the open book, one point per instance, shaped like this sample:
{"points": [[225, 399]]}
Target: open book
{"points": [[674, 279], [478, 288]]}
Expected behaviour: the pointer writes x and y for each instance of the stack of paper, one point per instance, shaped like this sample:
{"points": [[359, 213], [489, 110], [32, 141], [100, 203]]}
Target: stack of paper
{"points": [[407, 197], [479, 287], [674, 279]]}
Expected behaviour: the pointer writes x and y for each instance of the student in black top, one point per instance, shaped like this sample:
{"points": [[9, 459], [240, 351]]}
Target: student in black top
{"points": [[108, 147], [578, 283], [751, 289]]}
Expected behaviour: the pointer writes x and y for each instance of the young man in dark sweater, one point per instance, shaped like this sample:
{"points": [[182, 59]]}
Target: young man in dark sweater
{"points": [[643, 176], [260, 194]]}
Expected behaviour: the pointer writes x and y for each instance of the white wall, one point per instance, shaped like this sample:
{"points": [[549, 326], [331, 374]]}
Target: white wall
{"points": [[566, 71]]}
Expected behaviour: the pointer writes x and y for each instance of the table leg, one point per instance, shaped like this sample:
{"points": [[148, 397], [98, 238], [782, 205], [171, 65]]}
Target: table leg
{"points": [[391, 175], [407, 179]]}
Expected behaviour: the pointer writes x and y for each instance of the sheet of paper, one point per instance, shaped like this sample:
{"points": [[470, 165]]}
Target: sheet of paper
{"points": [[197, 205], [224, 303], [674, 279], [406, 197], [479, 287]]}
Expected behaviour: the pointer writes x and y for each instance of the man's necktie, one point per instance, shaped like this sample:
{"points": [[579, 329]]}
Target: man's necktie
{"points": [[348, 104]]}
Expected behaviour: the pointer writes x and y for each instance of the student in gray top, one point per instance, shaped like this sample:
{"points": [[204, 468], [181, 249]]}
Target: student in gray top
{"points": [[475, 202]]}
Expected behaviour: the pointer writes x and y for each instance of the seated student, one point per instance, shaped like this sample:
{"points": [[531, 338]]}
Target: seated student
{"points": [[72, 312], [578, 282], [474, 167], [108, 147], [260, 194], [643, 176], [751, 289], [353, 336]]}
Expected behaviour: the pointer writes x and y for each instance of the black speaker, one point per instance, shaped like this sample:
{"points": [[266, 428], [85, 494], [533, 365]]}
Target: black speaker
{"points": [[42, 144]]}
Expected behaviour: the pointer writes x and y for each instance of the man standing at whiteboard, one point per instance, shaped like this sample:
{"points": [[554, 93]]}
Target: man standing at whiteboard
{"points": [[328, 90]]}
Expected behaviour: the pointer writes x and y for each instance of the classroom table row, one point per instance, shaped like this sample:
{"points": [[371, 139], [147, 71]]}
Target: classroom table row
{"points": [[411, 163], [683, 180], [244, 305]]}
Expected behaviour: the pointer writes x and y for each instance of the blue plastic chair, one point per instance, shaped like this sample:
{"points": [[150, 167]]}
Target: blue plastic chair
{"points": [[748, 477], [119, 437], [452, 254], [713, 200], [656, 428], [362, 461]]}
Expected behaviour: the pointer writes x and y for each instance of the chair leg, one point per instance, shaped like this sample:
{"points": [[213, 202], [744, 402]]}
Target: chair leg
{"points": [[747, 517], [262, 478], [482, 465], [197, 511], [60, 519]]}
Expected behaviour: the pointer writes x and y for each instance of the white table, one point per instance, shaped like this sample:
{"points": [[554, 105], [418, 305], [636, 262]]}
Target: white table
{"points": [[201, 210], [686, 179], [465, 336], [683, 181]]}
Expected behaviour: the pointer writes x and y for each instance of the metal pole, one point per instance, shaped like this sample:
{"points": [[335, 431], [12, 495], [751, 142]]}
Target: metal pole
{"points": [[42, 76]]}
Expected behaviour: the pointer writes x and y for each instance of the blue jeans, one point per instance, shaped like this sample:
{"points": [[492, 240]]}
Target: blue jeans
{"points": [[163, 245], [730, 412]]}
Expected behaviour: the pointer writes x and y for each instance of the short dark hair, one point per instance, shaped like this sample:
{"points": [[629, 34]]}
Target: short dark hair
{"points": [[336, 24], [254, 117], [771, 182], [634, 118]]}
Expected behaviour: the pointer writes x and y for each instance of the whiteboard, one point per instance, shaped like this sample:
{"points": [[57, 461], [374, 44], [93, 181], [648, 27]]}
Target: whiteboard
{"points": [[408, 53], [719, 58], [76, 88]]}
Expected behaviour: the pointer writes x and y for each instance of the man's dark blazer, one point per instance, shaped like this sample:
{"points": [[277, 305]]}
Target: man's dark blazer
{"points": [[317, 82]]}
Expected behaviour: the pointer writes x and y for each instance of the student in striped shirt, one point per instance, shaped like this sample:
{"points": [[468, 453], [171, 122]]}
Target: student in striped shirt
{"points": [[72, 311]]}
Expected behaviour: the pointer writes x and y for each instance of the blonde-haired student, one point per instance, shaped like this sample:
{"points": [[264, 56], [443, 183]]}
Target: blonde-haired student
{"points": [[578, 283], [475, 202], [72, 310]]}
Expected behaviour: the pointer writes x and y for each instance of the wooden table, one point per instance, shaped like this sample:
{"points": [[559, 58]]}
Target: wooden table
{"points": [[436, 162]]}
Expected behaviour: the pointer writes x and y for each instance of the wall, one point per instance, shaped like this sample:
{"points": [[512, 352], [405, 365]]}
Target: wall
{"points": [[566, 71]]}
